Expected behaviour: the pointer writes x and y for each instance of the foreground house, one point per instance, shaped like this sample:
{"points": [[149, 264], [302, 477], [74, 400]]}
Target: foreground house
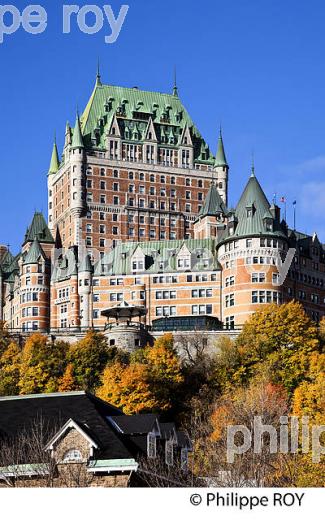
{"points": [[75, 439]]}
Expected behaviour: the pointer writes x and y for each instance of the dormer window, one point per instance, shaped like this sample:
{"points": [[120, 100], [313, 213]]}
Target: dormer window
{"points": [[72, 455], [268, 223], [138, 265], [249, 211]]}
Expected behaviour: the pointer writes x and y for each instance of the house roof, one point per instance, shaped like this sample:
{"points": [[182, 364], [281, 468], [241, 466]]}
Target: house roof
{"points": [[134, 424], [19, 414]]}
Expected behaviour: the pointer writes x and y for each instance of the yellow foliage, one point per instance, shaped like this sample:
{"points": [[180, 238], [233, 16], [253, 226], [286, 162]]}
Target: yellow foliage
{"points": [[126, 388]]}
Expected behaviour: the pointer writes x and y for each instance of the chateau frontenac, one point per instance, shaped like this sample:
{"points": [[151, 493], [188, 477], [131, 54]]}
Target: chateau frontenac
{"points": [[140, 236]]}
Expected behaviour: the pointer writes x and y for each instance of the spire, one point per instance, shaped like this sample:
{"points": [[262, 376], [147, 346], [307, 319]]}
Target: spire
{"points": [[67, 135], [55, 162], [253, 166], [77, 140], [175, 88], [98, 78], [220, 159]]}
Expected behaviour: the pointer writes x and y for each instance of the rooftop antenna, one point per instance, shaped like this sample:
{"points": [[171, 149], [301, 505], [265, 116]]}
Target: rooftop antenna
{"points": [[175, 88], [98, 77], [253, 164]]}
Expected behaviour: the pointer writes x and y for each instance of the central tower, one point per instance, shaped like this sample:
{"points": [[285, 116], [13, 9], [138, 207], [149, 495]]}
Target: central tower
{"points": [[133, 168]]}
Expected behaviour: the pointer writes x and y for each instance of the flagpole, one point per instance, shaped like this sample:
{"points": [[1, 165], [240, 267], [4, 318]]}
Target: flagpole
{"points": [[285, 211], [294, 214]]}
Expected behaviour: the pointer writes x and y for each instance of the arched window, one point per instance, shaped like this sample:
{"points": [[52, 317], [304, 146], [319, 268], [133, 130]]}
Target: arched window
{"points": [[72, 455]]}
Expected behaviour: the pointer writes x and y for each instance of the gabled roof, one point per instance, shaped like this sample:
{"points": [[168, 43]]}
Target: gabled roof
{"points": [[39, 229], [135, 424], [35, 252], [168, 430], [82, 429], [213, 203], [19, 413]]}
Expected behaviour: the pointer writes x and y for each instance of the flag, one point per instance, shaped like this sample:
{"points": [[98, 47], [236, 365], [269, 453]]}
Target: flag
{"points": [[283, 200], [294, 203]]}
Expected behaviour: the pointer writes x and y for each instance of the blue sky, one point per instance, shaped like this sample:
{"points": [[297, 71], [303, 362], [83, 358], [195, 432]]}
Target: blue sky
{"points": [[255, 66]]}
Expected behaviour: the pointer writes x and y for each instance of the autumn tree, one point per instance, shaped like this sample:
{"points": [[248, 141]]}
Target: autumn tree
{"points": [[149, 382], [88, 358], [67, 382], [10, 370], [309, 401], [5, 338], [42, 364], [264, 400], [276, 340], [126, 387]]}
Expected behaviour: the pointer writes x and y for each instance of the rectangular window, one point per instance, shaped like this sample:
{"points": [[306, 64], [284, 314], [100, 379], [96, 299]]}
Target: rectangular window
{"points": [[151, 445], [169, 453]]}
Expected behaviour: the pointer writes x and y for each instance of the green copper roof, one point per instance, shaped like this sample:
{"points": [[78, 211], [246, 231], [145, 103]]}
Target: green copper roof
{"points": [[220, 159], [213, 203], [133, 108], [155, 253], [55, 162], [6, 260], [35, 252], [77, 140], [252, 210], [38, 229]]}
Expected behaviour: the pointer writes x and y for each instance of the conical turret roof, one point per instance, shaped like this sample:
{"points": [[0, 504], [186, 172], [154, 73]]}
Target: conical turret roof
{"points": [[77, 139], [213, 203], [220, 159], [38, 229], [252, 210], [35, 253], [55, 161]]}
